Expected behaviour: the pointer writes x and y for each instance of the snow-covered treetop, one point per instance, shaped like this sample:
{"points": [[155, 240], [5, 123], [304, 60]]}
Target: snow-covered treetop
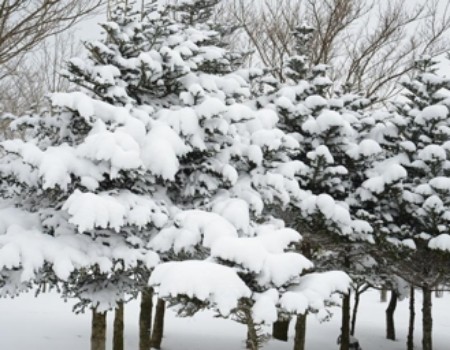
{"points": [[409, 186], [334, 149]]}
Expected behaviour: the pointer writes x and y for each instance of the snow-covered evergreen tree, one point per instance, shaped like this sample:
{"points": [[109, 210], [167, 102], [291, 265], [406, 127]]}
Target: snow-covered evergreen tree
{"points": [[253, 159], [161, 151], [409, 188], [331, 127]]}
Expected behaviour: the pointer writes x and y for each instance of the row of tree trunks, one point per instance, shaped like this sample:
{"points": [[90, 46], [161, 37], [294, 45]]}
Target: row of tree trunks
{"points": [[280, 328], [427, 318], [147, 340], [280, 331]]}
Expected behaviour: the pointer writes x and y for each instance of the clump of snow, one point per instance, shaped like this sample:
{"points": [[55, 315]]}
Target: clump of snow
{"points": [[206, 281], [441, 183], [435, 112], [264, 309], [15, 216], [107, 210], [441, 242], [118, 148], [315, 102], [164, 164], [280, 269], [236, 211], [246, 252], [313, 290], [325, 121], [432, 153], [390, 173], [321, 151], [192, 228], [365, 148], [29, 250]]}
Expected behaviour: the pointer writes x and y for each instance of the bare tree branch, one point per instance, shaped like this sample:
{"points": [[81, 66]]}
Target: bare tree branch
{"points": [[26, 23], [25, 81], [369, 45]]}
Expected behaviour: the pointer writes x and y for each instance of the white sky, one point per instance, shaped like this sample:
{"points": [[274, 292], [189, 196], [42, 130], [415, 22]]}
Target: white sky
{"points": [[89, 29]]}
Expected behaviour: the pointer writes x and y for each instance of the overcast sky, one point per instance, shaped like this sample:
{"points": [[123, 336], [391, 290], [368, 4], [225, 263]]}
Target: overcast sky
{"points": [[89, 29]]}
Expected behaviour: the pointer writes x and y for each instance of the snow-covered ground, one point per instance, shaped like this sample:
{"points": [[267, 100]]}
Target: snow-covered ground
{"points": [[47, 323]]}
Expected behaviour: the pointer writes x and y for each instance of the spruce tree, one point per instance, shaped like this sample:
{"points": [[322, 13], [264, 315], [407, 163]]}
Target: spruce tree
{"points": [[331, 125], [159, 150], [409, 187]]}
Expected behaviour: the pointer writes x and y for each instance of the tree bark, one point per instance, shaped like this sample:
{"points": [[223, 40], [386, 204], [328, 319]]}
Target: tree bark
{"points": [[145, 319], [355, 313], [300, 332], [98, 329], [252, 334], [427, 319], [158, 324], [118, 341], [390, 325], [412, 316], [280, 330], [345, 328]]}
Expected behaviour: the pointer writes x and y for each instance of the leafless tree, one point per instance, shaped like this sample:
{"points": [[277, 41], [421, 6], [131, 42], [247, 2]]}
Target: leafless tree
{"points": [[370, 44], [27, 80], [24, 24], [35, 40]]}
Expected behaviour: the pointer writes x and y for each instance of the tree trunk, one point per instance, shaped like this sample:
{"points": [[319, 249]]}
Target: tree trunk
{"points": [[252, 334], [390, 325], [98, 335], [280, 330], [345, 328], [300, 332], [118, 341], [252, 337], [145, 319], [427, 319], [383, 295], [355, 312], [158, 324], [412, 316]]}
